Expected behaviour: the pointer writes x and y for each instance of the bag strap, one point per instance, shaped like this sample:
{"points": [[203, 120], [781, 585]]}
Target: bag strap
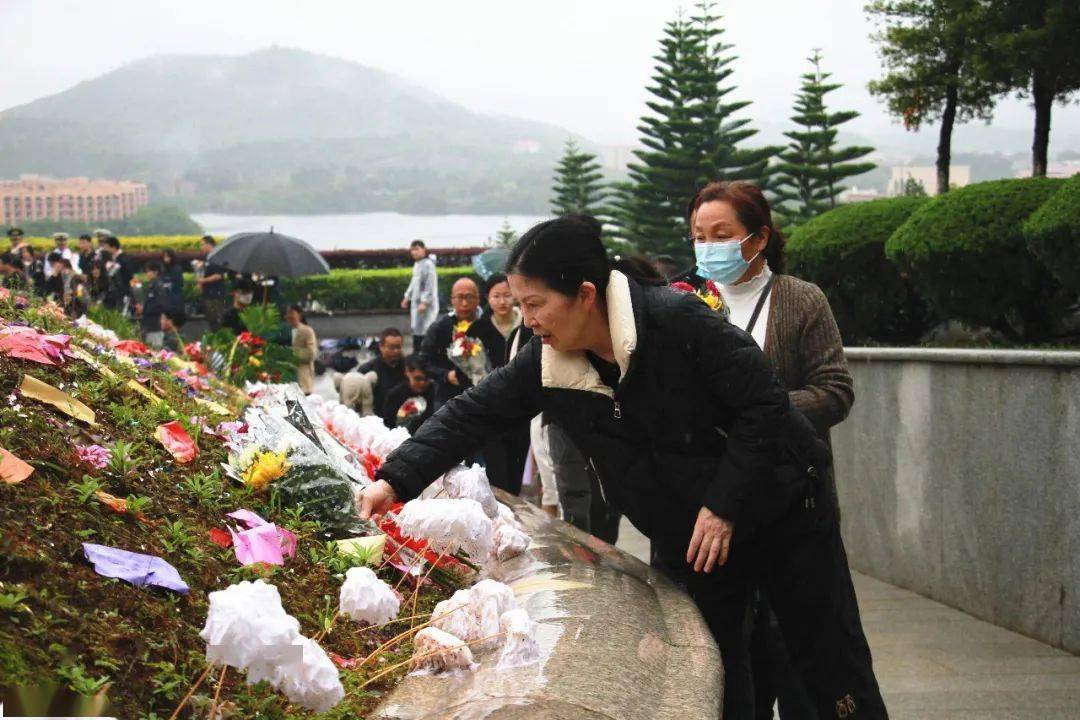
{"points": [[760, 304]]}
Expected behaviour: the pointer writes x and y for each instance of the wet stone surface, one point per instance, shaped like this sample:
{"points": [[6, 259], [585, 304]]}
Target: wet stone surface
{"points": [[617, 641]]}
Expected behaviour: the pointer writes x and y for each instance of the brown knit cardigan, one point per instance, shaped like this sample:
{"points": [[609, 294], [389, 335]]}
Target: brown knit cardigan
{"points": [[803, 344]]}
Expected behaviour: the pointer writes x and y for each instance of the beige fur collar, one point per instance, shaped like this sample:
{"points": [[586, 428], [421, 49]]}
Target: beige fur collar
{"points": [[572, 370]]}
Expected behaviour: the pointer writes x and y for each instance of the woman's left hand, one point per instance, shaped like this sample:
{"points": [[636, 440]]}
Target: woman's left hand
{"points": [[710, 542]]}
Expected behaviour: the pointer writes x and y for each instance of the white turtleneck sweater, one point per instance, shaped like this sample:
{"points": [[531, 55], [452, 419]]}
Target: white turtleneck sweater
{"points": [[741, 300]]}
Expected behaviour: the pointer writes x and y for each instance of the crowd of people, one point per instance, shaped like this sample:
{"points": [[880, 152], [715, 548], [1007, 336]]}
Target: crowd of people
{"points": [[696, 403]]}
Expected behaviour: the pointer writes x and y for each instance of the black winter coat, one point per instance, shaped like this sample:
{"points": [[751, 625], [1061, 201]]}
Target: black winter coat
{"points": [[698, 418]]}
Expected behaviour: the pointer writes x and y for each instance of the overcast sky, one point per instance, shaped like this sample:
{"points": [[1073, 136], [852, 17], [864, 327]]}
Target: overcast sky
{"points": [[581, 65]]}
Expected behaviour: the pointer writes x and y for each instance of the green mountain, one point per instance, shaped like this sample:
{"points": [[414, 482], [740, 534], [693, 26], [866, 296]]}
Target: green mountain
{"points": [[283, 130]]}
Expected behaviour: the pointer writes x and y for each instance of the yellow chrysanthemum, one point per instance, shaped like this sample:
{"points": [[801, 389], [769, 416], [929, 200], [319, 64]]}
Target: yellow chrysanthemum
{"points": [[462, 326], [267, 467], [712, 301], [254, 361]]}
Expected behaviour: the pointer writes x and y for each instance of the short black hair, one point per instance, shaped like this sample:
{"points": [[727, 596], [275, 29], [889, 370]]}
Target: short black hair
{"points": [[418, 243], [299, 310], [209, 240], [84, 236], [154, 266], [243, 284], [412, 362], [15, 232], [64, 261], [390, 332], [54, 257], [495, 279], [113, 242]]}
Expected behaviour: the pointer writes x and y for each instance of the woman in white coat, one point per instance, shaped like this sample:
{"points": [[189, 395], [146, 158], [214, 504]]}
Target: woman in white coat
{"points": [[422, 295]]}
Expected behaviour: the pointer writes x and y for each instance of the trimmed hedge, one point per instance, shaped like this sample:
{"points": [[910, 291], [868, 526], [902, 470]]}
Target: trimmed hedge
{"points": [[380, 289], [1053, 234], [966, 253], [842, 251]]}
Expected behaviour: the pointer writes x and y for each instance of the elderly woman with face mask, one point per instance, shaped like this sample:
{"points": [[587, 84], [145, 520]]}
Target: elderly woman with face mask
{"points": [[738, 247], [682, 421]]}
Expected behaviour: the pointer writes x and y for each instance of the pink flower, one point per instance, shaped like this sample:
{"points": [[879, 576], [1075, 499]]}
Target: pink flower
{"points": [[94, 456]]}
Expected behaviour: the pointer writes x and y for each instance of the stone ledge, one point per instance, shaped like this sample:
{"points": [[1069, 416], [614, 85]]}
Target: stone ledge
{"points": [[1043, 358], [628, 646]]}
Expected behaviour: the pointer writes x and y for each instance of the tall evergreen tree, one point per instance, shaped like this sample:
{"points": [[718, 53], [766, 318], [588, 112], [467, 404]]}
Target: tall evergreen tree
{"points": [[689, 138], [812, 166], [578, 187]]}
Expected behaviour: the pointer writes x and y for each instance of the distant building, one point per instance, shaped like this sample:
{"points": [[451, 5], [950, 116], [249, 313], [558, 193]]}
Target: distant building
{"points": [[35, 197], [855, 194], [1059, 169], [959, 176]]}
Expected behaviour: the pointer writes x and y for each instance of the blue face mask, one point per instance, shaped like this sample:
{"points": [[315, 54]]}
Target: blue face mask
{"points": [[721, 262]]}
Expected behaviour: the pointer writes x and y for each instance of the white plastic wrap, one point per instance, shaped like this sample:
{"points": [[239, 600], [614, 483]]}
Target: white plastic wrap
{"points": [[438, 650], [366, 598], [449, 526], [456, 617], [489, 600], [509, 541], [519, 639], [247, 628], [308, 678], [389, 441], [470, 482], [506, 515]]}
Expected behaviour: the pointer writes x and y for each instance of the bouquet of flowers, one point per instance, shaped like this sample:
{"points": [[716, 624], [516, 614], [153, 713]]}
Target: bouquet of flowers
{"points": [[467, 353], [709, 293], [411, 409]]}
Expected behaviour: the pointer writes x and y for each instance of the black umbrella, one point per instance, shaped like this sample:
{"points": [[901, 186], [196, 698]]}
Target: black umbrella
{"points": [[269, 254]]}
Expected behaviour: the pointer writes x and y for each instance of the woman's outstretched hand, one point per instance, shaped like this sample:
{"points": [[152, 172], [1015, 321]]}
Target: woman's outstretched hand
{"points": [[376, 499], [710, 542]]}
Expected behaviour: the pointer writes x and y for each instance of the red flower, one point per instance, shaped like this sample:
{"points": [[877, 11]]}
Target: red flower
{"points": [[251, 341], [683, 287]]}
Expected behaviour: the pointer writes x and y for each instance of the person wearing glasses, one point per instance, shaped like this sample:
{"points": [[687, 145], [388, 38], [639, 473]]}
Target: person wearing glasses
{"points": [[468, 319]]}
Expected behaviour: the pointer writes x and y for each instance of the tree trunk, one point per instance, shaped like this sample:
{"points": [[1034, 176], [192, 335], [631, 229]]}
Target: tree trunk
{"points": [[944, 148], [1043, 96]]}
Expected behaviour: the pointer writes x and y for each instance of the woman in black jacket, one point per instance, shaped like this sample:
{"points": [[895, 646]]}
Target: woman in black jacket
{"points": [[689, 434]]}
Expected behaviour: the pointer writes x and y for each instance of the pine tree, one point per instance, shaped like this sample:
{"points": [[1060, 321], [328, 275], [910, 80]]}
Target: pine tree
{"points": [[812, 166], [689, 138], [505, 236], [578, 187]]}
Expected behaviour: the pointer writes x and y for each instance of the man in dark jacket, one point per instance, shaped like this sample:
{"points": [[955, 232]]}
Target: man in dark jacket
{"points": [[688, 423], [387, 366], [451, 377], [154, 303]]}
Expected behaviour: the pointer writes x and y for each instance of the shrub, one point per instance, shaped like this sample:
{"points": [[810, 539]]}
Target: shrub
{"points": [[136, 243], [843, 252], [379, 289], [966, 253], [1053, 234]]}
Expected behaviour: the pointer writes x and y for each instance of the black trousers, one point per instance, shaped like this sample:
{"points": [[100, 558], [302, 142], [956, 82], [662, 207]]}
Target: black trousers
{"points": [[580, 495], [801, 570]]}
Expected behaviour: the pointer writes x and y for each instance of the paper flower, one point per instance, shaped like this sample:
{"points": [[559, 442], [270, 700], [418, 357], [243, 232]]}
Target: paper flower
{"points": [[509, 541], [308, 677], [519, 639], [438, 650], [176, 440], [490, 599], [468, 482], [248, 629], [93, 456], [266, 467], [449, 526], [455, 616], [366, 598]]}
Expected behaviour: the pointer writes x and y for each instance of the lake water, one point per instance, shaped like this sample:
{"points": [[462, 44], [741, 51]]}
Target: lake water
{"points": [[371, 231]]}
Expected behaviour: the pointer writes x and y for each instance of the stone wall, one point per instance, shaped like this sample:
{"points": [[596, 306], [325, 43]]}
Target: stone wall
{"points": [[959, 478]]}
